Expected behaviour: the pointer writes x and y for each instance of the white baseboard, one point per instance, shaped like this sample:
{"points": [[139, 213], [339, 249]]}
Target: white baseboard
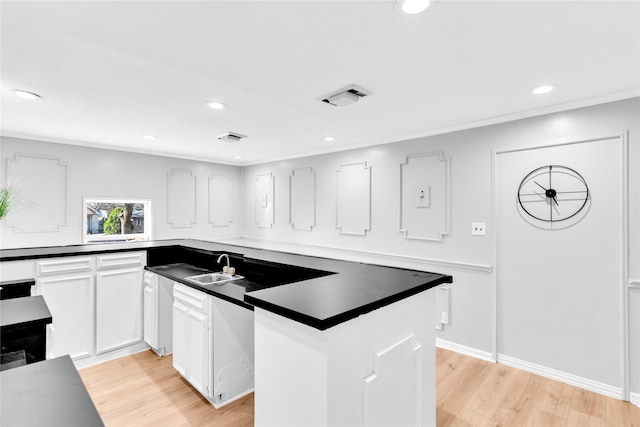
{"points": [[574, 380], [111, 355], [463, 349], [635, 398]]}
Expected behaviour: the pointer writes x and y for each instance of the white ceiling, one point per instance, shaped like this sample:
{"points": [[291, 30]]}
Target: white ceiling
{"points": [[110, 72]]}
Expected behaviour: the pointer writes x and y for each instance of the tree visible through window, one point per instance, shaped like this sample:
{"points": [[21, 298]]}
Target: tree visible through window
{"points": [[108, 220]]}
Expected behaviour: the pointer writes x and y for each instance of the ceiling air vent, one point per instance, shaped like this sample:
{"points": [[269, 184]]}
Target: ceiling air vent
{"points": [[231, 137], [346, 96]]}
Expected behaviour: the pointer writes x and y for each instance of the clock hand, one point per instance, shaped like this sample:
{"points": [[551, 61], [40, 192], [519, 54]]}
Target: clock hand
{"points": [[540, 186], [549, 193]]}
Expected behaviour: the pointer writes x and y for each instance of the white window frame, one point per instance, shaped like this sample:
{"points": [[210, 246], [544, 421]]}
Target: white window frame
{"points": [[148, 221]]}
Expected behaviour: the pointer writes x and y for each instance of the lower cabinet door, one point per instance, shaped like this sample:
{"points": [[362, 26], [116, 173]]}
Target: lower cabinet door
{"points": [[70, 301], [180, 350], [198, 356], [118, 308], [150, 317]]}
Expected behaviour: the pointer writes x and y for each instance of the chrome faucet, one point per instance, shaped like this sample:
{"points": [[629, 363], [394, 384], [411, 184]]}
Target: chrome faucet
{"points": [[224, 256]]}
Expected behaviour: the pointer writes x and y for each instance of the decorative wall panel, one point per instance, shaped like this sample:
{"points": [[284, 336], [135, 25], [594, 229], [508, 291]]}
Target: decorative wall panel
{"points": [[424, 197], [181, 198], [353, 199], [264, 200], [220, 201], [302, 199], [42, 187]]}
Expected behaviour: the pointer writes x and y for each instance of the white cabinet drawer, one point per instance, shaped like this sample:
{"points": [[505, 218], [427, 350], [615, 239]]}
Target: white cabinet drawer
{"points": [[191, 297], [129, 259], [72, 264]]}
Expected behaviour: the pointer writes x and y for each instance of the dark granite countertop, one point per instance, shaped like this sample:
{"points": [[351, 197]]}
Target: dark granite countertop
{"points": [[47, 393], [24, 311], [348, 290], [232, 291]]}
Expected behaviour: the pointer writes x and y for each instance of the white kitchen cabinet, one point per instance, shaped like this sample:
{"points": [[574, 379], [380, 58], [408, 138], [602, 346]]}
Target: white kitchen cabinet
{"points": [[198, 352], [191, 337], [150, 310], [67, 285], [158, 323], [233, 351], [118, 309], [118, 301], [213, 345], [180, 325]]}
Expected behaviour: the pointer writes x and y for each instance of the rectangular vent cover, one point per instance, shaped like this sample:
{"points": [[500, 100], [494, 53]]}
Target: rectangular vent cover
{"points": [[231, 137], [346, 96]]}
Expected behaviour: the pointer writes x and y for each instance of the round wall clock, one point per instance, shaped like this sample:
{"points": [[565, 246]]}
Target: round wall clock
{"points": [[553, 193]]}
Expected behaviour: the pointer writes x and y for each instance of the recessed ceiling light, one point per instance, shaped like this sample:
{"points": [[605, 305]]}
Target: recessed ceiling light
{"points": [[216, 105], [150, 137], [541, 90], [237, 157], [411, 7], [26, 95], [330, 138]]}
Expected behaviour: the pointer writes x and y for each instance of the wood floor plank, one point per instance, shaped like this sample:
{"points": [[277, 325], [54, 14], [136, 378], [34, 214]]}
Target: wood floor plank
{"points": [[144, 390]]}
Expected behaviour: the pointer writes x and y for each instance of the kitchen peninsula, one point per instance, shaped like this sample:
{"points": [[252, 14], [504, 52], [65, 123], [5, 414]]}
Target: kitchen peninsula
{"points": [[336, 342]]}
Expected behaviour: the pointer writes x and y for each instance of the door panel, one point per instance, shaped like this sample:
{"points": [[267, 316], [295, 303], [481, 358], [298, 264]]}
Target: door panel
{"points": [[559, 285]]}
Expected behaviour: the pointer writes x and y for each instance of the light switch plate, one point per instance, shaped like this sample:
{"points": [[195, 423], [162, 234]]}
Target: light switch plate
{"points": [[423, 197], [478, 228]]}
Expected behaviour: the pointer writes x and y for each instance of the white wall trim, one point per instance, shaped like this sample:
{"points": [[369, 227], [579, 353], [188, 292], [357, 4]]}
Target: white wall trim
{"points": [[574, 380], [264, 200], [297, 201], [446, 204], [111, 355], [624, 300], [634, 284], [463, 349], [635, 398], [50, 218], [181, 198], [347, 224], [404, 261]]}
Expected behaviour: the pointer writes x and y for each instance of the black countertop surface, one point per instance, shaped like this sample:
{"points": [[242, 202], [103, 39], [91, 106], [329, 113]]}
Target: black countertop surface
{"points": [[47, 393], [349, 290], [24, 311], [232, 291]]}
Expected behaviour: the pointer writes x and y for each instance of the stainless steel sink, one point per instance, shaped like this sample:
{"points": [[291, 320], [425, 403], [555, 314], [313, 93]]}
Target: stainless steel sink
{"points": [[213, 278]]}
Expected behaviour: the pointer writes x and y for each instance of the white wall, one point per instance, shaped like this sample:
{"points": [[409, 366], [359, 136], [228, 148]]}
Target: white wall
{"points": [[470, 259], [106, 173]]}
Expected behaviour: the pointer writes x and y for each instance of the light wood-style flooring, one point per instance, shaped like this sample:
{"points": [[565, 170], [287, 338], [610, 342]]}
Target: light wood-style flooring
{"points": [[145, 390]]}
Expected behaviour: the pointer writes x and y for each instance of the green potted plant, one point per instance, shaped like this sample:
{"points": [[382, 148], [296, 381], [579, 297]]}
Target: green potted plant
{"points": [[7, 200]]}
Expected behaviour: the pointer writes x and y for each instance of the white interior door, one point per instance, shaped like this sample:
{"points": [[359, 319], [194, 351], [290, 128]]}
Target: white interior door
{"points": [[560, 284]]}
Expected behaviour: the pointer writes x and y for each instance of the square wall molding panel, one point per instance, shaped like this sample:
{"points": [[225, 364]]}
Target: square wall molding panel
{"points": [[424, 197]]}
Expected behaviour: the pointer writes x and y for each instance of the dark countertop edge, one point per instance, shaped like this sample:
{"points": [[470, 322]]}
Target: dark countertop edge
{"points": [[31, 282], [35, 322], [35, 300], [323, 324], [88, 249], [232, 300]]}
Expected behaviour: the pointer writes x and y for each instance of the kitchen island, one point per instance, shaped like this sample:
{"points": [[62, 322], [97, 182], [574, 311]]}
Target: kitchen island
{"points": [[336, 342]]}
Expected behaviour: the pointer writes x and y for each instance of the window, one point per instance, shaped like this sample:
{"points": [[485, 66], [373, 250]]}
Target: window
{"points": [[116, 220]]}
